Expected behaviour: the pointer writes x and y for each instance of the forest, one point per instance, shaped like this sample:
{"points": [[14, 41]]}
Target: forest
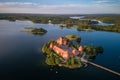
{"points": [[69, 22]]}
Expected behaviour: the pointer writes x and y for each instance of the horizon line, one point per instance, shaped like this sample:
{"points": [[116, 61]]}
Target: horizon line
{"points": [[63, 13]]}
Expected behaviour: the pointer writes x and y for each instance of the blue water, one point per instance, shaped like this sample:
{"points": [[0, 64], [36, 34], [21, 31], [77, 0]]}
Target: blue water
{"points": [[21, 57]]}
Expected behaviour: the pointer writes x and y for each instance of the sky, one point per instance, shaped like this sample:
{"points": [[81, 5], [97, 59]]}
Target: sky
{"points": [[60, 6]]}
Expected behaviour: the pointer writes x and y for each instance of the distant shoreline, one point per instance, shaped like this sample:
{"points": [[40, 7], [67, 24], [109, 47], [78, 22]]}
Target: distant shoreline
{"points": [[106, 21]]}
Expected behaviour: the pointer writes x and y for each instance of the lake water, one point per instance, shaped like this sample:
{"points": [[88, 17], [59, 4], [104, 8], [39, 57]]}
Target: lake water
{"points": [[21, 57]]}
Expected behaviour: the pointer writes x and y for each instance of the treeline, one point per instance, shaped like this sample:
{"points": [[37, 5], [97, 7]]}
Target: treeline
{"points": [[65, 19], [36, 18], [112, 28], [113, 19]]}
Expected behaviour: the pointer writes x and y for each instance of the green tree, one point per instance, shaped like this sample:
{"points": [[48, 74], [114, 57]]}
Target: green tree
{"points": [[57, 60], [44, 48], [79, 62], [72, 60]]}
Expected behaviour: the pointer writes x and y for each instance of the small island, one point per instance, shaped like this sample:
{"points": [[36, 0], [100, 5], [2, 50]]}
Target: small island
{"points": [[62, 52], [37, 31], [73, 37]]}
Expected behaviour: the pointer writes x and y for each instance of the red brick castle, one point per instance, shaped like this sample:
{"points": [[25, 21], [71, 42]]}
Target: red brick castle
{"points": [[62, 48]]}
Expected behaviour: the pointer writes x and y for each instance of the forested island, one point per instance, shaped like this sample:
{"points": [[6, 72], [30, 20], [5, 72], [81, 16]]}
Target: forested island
{"points": [[62, 52], [69, 22], [73, 37], [36, 31]]}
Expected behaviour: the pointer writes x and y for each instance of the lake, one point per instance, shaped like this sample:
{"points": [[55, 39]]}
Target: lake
{"points": [[21, 57]]}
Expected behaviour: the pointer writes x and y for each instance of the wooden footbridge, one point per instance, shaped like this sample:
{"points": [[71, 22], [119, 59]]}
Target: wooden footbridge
{"points": [[104, 68]]}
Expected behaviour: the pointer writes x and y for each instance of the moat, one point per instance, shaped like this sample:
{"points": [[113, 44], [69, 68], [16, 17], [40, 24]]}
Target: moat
{"points": [[21, 56]]}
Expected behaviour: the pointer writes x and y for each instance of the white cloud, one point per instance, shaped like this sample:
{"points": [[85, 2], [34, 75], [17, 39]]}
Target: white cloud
{"points": [[106, 1], [102, 1], [17, 4], [27, 7]]}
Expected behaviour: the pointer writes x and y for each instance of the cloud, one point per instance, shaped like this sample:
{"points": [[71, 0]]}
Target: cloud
{"points": [[28, 7], [17, 4], [106, 1]]}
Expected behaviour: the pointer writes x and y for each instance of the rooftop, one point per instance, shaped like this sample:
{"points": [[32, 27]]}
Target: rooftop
{"points": [[64, 49]]}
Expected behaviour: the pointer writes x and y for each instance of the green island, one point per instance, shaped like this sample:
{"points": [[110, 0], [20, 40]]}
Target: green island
{"points": [[73, 37], [61, 26], [62, 52], [37, 31]]}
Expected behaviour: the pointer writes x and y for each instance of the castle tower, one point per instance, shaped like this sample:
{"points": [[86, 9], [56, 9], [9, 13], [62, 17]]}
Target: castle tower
{"points": [[51, 45], [74, 52], [59, 41], [80, 49]]}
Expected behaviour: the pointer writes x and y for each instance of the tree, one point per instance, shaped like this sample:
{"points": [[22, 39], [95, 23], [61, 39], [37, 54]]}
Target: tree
{"points": [[79, 61], [57, 60], [72, 60], [50, 60], [44, 48]]}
